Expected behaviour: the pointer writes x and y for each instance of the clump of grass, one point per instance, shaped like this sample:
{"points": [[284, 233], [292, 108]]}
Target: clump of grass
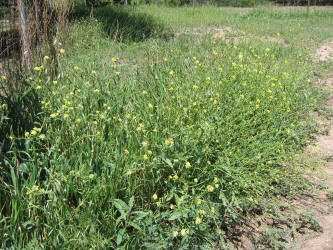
{"points": [[274, 238], [159, 148], [307, 220]]}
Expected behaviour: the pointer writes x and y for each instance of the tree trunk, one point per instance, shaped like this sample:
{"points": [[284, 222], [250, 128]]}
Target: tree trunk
{"points": [[23, 31]]}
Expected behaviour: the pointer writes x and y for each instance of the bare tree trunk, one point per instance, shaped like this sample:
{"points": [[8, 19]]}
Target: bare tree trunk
{"points": [[23, 30]]}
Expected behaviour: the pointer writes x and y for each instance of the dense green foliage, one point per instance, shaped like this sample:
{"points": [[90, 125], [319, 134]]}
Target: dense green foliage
{"points": [[159, 143]]}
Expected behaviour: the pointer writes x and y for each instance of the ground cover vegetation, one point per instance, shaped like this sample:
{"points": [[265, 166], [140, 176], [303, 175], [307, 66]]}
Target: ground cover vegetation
{"points": [[154, 138], [234, 3]]}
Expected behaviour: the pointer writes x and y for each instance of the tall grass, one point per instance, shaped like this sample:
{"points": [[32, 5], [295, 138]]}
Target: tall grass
{"points": [[156, 144]]}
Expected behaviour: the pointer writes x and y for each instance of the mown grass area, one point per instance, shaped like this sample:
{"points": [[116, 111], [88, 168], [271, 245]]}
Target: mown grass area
{"points": [[162, 141]]}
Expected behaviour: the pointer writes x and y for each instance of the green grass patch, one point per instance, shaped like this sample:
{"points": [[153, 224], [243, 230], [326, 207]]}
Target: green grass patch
{"points": [[159, 143]]}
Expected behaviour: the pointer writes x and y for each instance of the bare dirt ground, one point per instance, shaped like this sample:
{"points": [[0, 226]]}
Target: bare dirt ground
{"points": [[228, 34], [325, 52], [324, 145]]}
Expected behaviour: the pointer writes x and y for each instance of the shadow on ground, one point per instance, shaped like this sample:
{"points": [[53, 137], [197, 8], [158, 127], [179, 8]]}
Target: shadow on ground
{"points": [[124, 23]]}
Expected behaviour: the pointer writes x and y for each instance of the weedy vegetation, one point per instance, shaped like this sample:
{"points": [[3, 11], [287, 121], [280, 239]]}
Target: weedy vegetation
{"points": [[146, 139]]}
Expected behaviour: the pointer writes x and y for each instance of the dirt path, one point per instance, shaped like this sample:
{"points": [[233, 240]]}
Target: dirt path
{"points": [[324, 240]]}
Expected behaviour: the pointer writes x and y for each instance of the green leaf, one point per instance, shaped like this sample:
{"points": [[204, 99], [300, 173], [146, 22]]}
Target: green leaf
{"points": [[175, 215], [121, 206], [167, 161], [131, 202], [136, 226], [120, 236], [140, 215]]}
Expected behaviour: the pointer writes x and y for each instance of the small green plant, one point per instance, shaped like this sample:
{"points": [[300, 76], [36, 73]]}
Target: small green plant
{"points": [[307, 220], [330, 195], [274, 238]]}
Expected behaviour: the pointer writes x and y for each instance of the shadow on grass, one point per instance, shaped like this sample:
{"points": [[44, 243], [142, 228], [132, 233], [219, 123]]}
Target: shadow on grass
{"points": [[124, 23], [19, 111]]}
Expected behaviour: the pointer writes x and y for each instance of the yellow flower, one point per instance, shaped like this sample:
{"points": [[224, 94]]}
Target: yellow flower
{"points": [[114, 59], [55, 82], [144, 144], [27, 134], [46, 58], [76, 68], [198, 201], [145, 157], [155, 197], [33, 132], [53, 115], [169, 142], [4, 78], [183, 232], [149, 152], [91, 176], [38, 129], [117, 73], [62, 51], [175, 233], [210, 188], [150, 105], [78, 120], [42, 137], [144, 92], [175, 177], [212, 209], [187, 165], [197, 221], [126, 152], [195, 180], [171, 72], [66, 116], [37, 69]]}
